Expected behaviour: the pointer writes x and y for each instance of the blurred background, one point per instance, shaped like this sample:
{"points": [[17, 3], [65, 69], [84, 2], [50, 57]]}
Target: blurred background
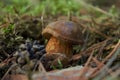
{"points": [[56, 7]]}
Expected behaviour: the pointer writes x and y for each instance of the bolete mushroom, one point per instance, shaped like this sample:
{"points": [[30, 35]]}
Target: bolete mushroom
{"points": [[62, 35]]}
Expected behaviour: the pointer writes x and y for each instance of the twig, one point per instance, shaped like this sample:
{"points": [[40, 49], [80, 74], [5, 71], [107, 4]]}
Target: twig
{"points": [[117, 47], [98, 63], [100, 53], [41, 67], [85, 69], [89, 50], [96, 71], [98, 32], [39, 62], [103, 70], [8, 71]]}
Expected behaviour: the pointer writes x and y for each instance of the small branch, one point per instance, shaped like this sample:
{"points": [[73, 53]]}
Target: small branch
{"points": [[96, 71], [85, 69], [8, 71]]}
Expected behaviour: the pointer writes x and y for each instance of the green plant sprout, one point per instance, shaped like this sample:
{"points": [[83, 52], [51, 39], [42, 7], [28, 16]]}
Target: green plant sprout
{"points": [[59, 66]]}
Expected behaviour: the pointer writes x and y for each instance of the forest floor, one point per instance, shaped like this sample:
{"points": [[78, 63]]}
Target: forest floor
{"points": [[23, 47]]}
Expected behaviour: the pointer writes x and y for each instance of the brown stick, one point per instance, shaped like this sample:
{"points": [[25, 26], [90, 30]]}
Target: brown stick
{"points": [[85, 69], [96, 71]]}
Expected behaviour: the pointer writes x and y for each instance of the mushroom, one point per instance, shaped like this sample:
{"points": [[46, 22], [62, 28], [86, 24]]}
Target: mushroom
{"points": [[62, 35]]}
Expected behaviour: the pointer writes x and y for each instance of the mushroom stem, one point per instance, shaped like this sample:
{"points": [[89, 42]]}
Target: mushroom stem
{"points": [[55, 45]]}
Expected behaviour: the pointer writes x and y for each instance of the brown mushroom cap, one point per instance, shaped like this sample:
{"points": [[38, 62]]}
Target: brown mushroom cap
{"points": [[65, 30]]}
